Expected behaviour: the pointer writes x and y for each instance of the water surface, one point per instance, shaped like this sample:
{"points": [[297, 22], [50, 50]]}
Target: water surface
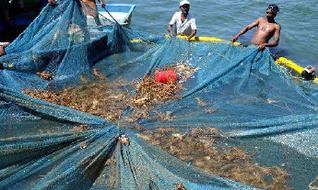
{"points": [[225, 18]]}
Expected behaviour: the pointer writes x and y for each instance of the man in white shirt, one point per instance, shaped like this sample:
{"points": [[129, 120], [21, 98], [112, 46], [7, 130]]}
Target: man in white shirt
{"points": [[183, 21]]}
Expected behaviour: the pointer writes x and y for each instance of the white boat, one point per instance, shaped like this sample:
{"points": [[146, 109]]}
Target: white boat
{"points": [[120, 13]]}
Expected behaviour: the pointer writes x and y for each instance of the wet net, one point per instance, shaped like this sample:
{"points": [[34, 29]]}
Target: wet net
{"points": [[80, 108]]}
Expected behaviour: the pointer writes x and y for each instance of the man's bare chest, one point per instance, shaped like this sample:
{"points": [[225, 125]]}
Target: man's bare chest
{"points": [[267, 28]]}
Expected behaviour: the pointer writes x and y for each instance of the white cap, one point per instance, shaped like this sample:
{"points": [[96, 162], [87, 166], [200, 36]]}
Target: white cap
{"points": [[184, 2]]}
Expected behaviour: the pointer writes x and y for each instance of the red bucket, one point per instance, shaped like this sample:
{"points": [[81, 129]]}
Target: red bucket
{"points": [[167, 76]]}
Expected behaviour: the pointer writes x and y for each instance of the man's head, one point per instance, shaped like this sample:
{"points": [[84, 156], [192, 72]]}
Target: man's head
{"points": [[309, 73], [185, 6], [272, 11]]}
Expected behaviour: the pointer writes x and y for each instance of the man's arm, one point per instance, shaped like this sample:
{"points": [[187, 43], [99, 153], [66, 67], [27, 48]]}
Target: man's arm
{"points": [[274, 42], [192, 34], [194, 29], [171, 23], [170, 29], [245, 29]]}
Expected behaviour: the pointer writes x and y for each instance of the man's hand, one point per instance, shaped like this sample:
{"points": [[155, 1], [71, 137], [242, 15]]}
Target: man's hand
{"points": [[234, 38], [170, 31], [52, 2], [103, 5], [261, 47], [192, 35]]}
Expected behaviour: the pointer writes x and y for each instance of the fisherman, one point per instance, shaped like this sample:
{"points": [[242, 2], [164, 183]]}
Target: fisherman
{"points": [[183, 21], [267, 28], [89, 6], [3, 45]]}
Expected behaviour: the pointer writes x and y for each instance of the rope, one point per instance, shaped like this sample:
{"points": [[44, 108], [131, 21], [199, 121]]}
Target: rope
{"points": [[87, 7]]}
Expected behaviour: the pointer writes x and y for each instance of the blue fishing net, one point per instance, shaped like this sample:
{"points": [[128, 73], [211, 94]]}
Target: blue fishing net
{"points": [[99, 120]]}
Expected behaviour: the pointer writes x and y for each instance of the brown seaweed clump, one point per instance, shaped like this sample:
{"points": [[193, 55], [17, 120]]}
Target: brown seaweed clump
{"points": [[203, 148], [150, 93], [100, 98], [45, 75], [108, 100], [185, 71]]}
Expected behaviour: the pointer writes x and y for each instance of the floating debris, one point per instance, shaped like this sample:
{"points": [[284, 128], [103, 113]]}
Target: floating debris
{"points": [[185, 71], [203, 104], [208, 110], [108, 100], [124, 140], [80, 128], [149, 93], [100, 98], [167, 116], [203, 148], [45, 75], [271, 101], [180, 186], [200, 102], [83, 146]]}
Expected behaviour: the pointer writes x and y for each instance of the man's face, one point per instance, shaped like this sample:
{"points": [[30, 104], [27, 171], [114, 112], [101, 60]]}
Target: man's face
{"points": [[270, 14], [185, 8]]}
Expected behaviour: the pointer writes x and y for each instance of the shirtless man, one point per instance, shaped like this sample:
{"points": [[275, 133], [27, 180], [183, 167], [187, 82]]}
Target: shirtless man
{"points": [[266, 29]]}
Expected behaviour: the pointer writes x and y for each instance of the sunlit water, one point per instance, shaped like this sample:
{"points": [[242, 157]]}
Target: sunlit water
{"points": [[299, 21]]}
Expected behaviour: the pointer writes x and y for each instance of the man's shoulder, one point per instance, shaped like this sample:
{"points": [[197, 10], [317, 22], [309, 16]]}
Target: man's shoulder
{"points": [[261, 18], [177, 13], [278, 26]]}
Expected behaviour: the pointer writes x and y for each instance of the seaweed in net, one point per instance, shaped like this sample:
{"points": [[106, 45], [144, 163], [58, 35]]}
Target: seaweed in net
{"points": [[203, 148], [101, 98], [150, 93]]}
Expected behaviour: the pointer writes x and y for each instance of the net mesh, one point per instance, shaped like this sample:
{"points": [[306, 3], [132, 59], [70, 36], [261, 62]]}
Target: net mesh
{"points": [[80, 109]]}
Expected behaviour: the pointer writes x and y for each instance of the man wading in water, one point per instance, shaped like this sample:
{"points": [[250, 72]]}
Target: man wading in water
{"points": [[266, 29]]}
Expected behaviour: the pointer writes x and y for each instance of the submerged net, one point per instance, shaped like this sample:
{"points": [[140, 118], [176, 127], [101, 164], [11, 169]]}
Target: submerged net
{"points": [[80, 109]]}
